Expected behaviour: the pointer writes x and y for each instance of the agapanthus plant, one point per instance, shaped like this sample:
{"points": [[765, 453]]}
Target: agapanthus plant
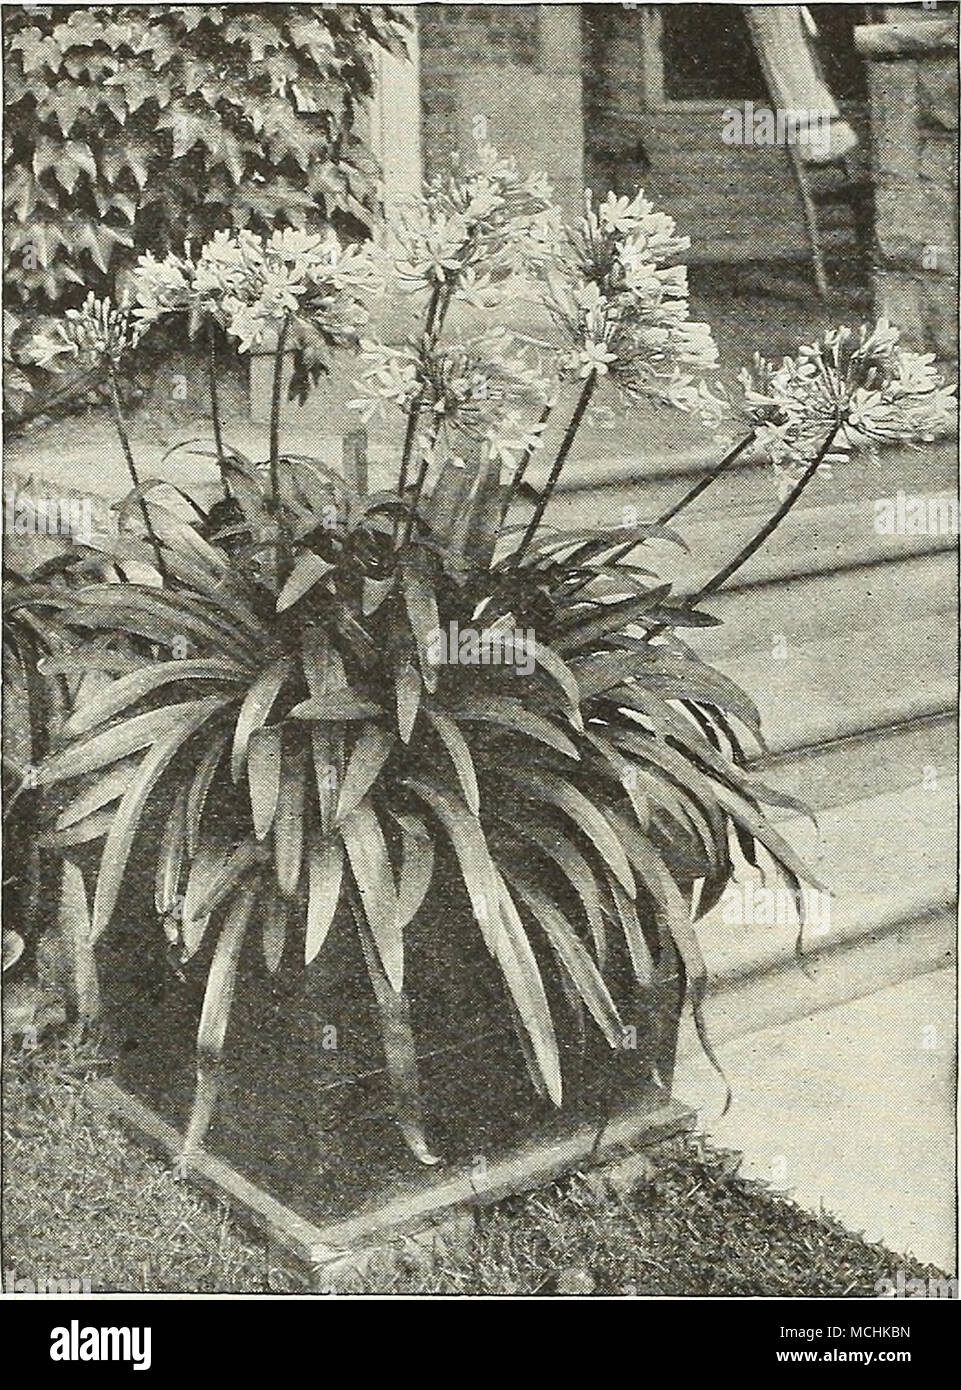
{"points": [[284, 715]]}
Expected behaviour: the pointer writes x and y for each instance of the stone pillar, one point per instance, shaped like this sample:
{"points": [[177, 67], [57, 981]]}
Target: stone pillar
{"points": [[509, 75], [395, 120], [912, 67]]}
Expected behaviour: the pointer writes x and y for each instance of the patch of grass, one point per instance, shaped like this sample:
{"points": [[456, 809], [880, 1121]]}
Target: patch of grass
{"points": [[82, 1200]]}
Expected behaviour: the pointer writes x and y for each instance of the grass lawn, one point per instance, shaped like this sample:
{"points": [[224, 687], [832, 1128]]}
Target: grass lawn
{"points": [[81, 1200]]}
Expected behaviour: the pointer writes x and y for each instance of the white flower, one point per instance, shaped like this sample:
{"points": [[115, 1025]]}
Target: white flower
{"points": [[864, 387], [97, 333], [623, 309], [595, 357]]}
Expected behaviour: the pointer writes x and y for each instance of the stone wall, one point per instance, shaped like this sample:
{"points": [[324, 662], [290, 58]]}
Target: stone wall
{"points": [[912, 66]]}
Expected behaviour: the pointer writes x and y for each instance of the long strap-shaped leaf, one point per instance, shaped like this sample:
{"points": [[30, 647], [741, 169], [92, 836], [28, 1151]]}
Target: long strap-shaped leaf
{"points": [[107, 788], [289, 819], [264, 752], [460, 755], [370, 865], [421, 604], [568, 858], [556, 791], [255, 710], [574, 958], [416, 867], [200, 788], [119, 741], [523, 978], [325, 869], [670, 906], [400, 1049], [126, 691], [510, 713], [119, 842], [324, 674], [473, 856], [364, 766], [170, 859], [215, 1016]]}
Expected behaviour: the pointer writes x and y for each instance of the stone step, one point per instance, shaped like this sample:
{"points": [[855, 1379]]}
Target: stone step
{"points": [[833, 687], [890, 862], [889, 757], [802, 610]]}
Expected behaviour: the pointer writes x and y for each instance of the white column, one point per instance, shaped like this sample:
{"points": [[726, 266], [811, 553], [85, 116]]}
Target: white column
{"points": [[395, 120]]}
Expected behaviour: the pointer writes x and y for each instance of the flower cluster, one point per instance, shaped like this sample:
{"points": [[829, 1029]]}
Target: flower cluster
{"points": [[480, 388], [465, 235], [252, 285], [624, 312], [96, 334], [864, 386]]}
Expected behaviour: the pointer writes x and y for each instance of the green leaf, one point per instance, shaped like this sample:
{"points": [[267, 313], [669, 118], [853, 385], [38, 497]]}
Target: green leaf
{"points": [[555, 791], [364, 766], [460, 755], [200, 788], [325, 866], [568, 858], [255, 710], [263, 777], [129, 689], [335, 707], [275, 929], [119, 741], [575, 959], [171, 856], [308, 570], [119, 842], [416, 868], [370, 865], [523, 979], [215, 1016], [289, 819], [470, 845], [510, 713], [222, 976], [637, 947], [400, 1050], [407, 690], [421, 604], [228, 874], [107, 788]]}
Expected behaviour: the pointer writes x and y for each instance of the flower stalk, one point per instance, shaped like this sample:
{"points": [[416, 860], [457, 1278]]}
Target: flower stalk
{"points": [[570, 434], [756, 541], [121, 428], [284, 555], [215, 407]]}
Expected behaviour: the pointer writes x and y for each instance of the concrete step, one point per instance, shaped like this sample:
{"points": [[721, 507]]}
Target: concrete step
{"points": [[890, 862], [889, 757], [832, 687], [851, 1109], [821, 536], [802, 610]]}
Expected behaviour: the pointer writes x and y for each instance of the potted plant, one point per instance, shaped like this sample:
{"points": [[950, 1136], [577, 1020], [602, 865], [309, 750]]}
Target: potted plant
{"points": [[420, 719]]}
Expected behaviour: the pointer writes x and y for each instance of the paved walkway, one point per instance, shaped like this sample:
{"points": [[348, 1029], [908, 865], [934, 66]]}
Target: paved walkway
{"points": [[852, 1109]]}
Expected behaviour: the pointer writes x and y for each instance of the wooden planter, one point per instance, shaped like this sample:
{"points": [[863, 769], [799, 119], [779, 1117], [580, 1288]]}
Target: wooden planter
{"points": [[305, 1142]]}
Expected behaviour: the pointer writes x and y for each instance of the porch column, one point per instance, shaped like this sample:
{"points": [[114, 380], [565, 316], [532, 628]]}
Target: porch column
{"points": [[395, 121]]}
